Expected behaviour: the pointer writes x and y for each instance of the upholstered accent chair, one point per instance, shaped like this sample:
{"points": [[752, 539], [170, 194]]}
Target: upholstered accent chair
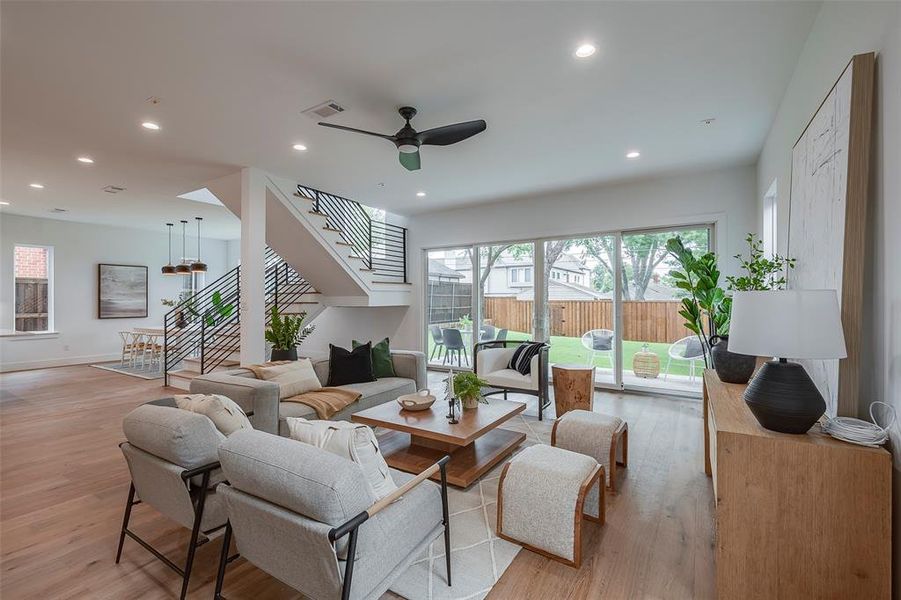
{"points": [[491, 360], [172, 455], [308, 518]]}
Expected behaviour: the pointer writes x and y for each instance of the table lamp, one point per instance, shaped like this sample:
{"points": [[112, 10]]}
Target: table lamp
{"points": [[786, 324]]}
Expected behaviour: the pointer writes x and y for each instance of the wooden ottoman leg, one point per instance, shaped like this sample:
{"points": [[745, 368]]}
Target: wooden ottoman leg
{"points": [[620, 440]]}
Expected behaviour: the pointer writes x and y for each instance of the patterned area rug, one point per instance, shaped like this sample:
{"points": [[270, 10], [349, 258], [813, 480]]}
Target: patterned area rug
{"points": [[478, 556], [142, 372]]}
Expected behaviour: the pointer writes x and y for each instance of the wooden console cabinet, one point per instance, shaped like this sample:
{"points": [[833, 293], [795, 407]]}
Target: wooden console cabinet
{"points": [[797, 516]]}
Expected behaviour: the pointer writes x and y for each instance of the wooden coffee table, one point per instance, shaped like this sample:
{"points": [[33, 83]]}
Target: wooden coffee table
{"points": [[418, 438]]}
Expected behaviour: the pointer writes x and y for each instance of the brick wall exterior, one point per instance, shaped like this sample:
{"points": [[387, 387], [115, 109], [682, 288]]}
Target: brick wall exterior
{"points": [[31, 262]]}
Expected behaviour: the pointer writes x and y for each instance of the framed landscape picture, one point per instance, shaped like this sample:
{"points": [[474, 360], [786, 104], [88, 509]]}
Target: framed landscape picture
{"points": [[122, 291]]}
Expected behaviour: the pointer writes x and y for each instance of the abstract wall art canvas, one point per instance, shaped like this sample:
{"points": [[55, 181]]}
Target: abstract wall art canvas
{"points": [[827, 219], [122, 291]]}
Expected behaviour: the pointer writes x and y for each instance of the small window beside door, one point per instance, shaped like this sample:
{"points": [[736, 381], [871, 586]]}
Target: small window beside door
{"points": [[33, 280]]}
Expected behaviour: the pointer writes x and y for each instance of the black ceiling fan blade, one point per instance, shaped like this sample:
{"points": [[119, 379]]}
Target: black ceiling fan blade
{"points": [[410, 160], [451, 134], [363, 131]]}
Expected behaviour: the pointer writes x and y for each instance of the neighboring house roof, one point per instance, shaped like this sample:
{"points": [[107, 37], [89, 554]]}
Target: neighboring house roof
{"points": [[439, 269], [566, 262], [563, 290]]}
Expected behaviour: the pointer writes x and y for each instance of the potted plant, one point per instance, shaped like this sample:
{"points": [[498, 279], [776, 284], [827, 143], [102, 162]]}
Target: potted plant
{"points": [[468, 387], [286, 334]]}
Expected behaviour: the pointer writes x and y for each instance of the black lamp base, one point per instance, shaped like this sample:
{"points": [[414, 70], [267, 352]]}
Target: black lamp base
{"points": [[784, 398]]}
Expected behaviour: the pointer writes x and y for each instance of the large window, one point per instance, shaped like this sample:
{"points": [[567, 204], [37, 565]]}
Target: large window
{"points": [[605, 300], [34, 284]]}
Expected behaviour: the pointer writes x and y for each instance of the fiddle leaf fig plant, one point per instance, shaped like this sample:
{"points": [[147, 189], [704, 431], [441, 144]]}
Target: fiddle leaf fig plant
{"points": [[705, 307]]}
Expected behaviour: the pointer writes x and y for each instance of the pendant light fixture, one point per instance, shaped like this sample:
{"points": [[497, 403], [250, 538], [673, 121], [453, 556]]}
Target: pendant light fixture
{"points": [[198, 266], [169, 269], [183, 268]]}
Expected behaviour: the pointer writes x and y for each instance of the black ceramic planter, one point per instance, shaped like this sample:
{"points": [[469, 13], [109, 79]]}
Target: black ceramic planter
{"points": [[278, 354], [730, 367], [784, 398]]}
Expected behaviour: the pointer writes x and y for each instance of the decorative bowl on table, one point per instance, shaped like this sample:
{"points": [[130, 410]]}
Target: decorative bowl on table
{"points": [[421, 400]]}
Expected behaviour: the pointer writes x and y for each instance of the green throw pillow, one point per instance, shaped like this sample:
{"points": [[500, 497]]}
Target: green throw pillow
{"points": [[382, 365]]}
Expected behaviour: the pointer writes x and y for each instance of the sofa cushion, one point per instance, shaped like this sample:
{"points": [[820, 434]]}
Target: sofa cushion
{"points": [[350, 366], [304, 479], [223, 412], [184, 438], [382, 364], [352, 441], [293, 377], [509, 378]]}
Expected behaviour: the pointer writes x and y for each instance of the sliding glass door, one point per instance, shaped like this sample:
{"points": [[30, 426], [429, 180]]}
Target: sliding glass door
{"points": [[448, 307], [659, 352], [605, 300], [578, 297]]}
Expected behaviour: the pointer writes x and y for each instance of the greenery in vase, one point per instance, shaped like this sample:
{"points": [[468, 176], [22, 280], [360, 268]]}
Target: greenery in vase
{"points": [[706, 308], [287, 332], [468, 386], [761, 273]]}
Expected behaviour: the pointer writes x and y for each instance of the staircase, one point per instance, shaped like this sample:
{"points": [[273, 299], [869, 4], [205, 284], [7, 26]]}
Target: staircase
{"points": [[348, 256], [202, 333]]}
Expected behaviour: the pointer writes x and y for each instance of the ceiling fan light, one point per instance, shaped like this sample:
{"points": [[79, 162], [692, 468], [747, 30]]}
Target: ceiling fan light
{"points": [[408, 148]]}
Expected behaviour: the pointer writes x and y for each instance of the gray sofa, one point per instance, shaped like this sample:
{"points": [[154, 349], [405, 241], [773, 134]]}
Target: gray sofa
{"points": [[269, 413]]}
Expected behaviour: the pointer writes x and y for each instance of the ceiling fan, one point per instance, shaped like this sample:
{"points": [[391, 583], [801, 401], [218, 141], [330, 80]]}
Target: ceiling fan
{"points": [[408, 140]]}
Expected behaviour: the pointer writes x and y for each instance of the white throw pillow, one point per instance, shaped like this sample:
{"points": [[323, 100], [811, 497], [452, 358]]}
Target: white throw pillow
{"points": [[293, 378], [351, 441], [222, 411]]}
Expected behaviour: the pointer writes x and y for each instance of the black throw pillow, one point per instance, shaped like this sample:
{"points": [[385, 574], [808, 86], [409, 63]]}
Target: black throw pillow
{"points": [[522, 357], [349, 366]]}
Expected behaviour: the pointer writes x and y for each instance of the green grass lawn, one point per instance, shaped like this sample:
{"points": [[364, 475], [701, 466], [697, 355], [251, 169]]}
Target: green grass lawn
{"points": [[570, 350]]}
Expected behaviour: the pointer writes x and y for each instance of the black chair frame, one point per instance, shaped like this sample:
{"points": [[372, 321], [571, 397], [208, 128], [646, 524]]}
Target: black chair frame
{"points": [[198, 498], [350, 528], [544, 399]]}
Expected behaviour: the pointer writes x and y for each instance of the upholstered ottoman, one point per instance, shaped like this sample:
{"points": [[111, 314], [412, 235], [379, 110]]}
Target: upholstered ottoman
{"points": [[602, 437], [541, 498]]}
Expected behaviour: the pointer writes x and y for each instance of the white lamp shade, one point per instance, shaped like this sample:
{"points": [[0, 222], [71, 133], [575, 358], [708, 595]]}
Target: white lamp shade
{"points": [[787, 324]]}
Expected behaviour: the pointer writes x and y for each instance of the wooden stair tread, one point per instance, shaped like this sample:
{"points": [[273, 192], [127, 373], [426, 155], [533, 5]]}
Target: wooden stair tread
{"points": [[327, 228]]}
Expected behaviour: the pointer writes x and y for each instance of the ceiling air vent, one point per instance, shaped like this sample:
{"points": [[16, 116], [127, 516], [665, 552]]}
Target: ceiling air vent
{"points": [[324, 110], [59, 210], [113, 189]]}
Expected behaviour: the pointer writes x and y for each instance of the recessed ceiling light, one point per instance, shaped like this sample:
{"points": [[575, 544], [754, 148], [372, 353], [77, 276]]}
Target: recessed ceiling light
{"points": [[420, 194], [585, 50], [36, 186], [708, 121], [4, 203], [150, 125], [633, 154], [86, 160], [300, 147]]}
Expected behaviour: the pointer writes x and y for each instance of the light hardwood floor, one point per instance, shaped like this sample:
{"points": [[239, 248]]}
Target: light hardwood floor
{"points": [[63, 483]]}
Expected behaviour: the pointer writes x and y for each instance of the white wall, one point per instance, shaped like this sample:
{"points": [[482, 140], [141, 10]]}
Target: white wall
{"points": [[725, 196], [341, 325], [77, 249], [840, 31]]}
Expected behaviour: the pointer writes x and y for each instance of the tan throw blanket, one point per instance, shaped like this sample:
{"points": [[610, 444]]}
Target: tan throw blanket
{"points": [[326, 401]]}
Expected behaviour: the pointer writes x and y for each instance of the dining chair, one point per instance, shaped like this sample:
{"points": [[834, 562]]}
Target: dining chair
{"points": [[128, 347], [453, 343]]}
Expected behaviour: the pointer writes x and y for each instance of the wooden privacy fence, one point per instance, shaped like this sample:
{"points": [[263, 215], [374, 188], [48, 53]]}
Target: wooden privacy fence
{"points": [[645, 321], [31, 304]]}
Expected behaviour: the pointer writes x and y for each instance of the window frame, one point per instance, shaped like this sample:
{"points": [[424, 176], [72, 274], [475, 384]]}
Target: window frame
{"points": [[51, 308]]}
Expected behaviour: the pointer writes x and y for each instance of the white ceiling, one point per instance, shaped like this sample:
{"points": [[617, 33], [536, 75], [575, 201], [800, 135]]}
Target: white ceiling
{"points": [[233, 78]]}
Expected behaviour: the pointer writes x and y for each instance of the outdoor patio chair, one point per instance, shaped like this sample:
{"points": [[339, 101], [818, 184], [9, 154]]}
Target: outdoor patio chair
{"points": [[172, 455], [310, 519], [438, 339], [491, 360], [501, 335], [687, 349], [598, 341], [488, 333], [453, 345]]}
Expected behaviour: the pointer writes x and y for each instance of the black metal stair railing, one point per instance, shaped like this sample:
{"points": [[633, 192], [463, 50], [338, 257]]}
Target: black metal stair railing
{"points": [[206, 326], [381, 245]]}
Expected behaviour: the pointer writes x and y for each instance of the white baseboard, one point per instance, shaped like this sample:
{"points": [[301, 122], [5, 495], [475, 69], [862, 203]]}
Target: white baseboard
{"points": [[28, 365]]}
